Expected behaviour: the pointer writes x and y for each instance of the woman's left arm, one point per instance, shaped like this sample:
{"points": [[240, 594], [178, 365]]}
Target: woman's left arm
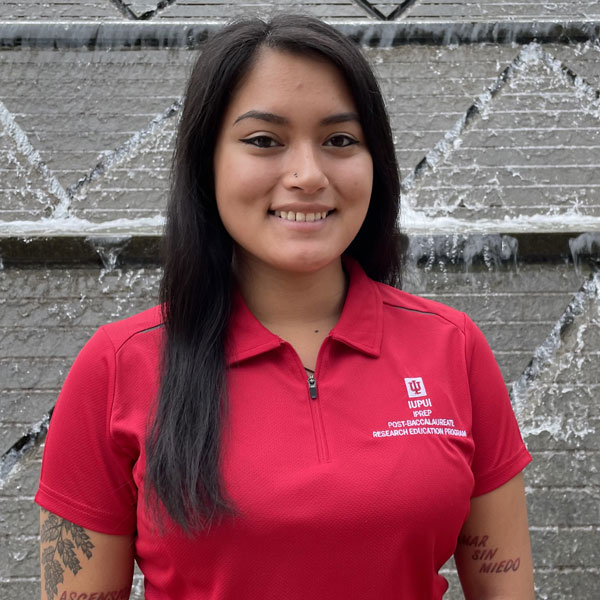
{"points": [[493, 554]]}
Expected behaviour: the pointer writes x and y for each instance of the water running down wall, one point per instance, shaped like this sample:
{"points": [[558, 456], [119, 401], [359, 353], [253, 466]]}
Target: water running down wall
{"points": [[495, 108]]}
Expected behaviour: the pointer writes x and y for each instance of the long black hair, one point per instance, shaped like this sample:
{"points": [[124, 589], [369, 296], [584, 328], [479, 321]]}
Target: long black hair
{"points": [[182, 447]]}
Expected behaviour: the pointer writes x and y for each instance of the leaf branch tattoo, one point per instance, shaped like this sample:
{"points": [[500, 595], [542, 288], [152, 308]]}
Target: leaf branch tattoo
{"points": [[54, 529]]}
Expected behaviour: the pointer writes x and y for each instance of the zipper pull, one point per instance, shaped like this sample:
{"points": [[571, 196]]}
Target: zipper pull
{"points": [[312, 387]]}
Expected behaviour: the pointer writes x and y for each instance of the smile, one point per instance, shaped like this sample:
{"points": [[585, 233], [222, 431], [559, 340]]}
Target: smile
{"points": [[300, 216]]}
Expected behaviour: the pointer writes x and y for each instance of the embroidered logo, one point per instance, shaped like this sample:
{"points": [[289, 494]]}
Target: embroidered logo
{"points": [[415, 387], [424, 421]]}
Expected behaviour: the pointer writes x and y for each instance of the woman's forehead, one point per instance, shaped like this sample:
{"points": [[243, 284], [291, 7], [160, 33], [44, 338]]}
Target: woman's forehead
{"points": [[282, 83]]}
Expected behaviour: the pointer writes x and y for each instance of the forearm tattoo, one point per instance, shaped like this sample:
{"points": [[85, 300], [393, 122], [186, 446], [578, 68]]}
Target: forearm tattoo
{"points": [[63, 538], [114, 595], [485, 554]]}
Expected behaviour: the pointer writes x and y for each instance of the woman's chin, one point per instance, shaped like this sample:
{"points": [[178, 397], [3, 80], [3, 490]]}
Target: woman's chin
{"points": [[301, 263]]}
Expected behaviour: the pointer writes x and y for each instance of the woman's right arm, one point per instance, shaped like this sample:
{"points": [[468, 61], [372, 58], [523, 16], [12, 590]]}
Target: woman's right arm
{"points": [[78, 563]]}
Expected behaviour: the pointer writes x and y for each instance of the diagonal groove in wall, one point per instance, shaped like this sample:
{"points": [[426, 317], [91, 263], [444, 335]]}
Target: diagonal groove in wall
{"points": [[569, 76], [126, 11], [400, 9], [546, 351], [368, 7], [61, 210], [375, 12], [445, 147], [159, 7], [523, 61], [20, 138], [545, 354], [128, 149], [10, 460], [123, 9]]}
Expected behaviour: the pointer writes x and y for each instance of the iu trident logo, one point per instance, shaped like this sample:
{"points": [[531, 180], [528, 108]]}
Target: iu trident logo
{"points": [[415, 387]]}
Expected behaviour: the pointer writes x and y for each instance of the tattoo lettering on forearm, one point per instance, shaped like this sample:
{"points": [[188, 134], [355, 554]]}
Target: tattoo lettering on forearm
{"points": [[486, 555], [114, 595], [54, 529]]}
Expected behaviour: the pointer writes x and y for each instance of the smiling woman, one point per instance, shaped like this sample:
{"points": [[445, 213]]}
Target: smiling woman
{"points": [[285, 424], [303, 171]]}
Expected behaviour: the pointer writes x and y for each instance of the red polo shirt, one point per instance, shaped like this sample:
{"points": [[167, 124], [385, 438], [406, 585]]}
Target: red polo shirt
{"points": [[354, 485]]}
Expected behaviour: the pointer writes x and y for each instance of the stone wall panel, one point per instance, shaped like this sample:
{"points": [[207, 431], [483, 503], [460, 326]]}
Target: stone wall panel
{"points": [[57, 9], [212, 9], [565, 548], [484, 10], [33, 372], [92, 130], [565, 583], [571, 507], [570, 468]]}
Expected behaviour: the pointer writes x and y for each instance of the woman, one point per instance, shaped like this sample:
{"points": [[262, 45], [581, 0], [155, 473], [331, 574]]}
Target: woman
{"points": [[285, 426]]}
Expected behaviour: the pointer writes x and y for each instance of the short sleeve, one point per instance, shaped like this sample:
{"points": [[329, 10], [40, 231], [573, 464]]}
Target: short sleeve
{"points": [[86, 477], [500, 453]]}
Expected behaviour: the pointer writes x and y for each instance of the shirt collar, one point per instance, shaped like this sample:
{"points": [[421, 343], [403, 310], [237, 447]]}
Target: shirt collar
{"points": [[360, 326]]}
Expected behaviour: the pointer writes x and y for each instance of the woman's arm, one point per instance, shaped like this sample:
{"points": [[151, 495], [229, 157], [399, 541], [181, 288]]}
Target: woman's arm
{"points": [[493, 555], [79, 563]]}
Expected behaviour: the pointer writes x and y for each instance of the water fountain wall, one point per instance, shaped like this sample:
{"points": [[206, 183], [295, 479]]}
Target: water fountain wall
{"points": [[495, 107]]}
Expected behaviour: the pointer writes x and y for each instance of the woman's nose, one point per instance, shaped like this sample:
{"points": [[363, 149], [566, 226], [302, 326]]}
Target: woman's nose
{"points": [[305, 171]]}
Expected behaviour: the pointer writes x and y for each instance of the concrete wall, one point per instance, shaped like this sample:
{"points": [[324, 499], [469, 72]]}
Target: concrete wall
{"points": [[498, 145]]}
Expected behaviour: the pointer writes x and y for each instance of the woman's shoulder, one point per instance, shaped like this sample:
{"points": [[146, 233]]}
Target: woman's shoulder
{"points": [[119, 333], [116, 342], [418, 305]]}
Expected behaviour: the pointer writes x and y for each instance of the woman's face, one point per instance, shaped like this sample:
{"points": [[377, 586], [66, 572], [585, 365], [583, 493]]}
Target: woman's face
{"points": [[293, 174]]}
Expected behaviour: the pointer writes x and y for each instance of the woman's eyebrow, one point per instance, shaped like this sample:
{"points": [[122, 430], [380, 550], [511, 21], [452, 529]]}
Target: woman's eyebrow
{"points": [[279, 120], [262, 116], [340, 118]]}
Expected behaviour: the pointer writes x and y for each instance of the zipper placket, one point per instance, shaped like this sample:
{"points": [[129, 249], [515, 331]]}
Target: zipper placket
{"points": [[317, 417]]}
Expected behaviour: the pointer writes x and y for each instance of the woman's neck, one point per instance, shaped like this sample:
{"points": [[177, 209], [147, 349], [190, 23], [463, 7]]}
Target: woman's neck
{"points": [[282, 299]]}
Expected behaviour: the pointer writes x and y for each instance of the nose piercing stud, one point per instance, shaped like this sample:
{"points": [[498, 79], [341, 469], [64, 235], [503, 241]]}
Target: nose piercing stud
{"points": [[295, 174]]}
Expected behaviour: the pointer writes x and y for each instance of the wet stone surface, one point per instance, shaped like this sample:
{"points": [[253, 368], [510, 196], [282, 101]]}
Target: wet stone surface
{"points": [[97, 139], [554, 496], [79, 115], [543, 127], [89, 133], [489, 10], [194, 9], [58, 9]]}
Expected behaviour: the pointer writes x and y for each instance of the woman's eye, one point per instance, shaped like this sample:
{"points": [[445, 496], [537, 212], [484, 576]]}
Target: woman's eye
{"points": [[261, 141], [341, 141]]}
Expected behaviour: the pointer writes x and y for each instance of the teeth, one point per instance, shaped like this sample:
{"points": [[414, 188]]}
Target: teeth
{"points": [[299, 216]]}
